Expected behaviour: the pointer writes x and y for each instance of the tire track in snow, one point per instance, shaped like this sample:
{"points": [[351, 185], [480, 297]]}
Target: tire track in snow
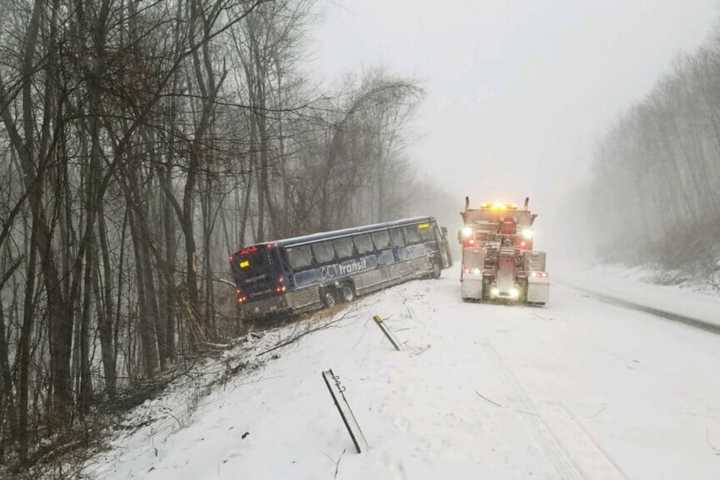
{"points": [[538, 430], [591, 458], [568, 445]]}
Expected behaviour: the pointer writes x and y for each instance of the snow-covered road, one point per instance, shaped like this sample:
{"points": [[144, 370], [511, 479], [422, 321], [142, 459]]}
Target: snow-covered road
{"points": [[578, 389]]}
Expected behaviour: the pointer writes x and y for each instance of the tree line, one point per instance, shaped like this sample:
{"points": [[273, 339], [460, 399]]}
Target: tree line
{"points": [[654, 196], [141, 142]]}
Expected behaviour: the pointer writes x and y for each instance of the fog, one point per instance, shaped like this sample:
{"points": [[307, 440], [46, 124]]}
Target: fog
{"points": [[518, 92], [201, 190]]}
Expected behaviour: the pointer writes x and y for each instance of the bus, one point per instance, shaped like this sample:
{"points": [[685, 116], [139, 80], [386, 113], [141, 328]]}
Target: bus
{"points": [[305, 273]]}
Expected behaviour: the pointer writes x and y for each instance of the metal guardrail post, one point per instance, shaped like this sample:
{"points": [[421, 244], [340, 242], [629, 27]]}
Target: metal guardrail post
{"points": [[386, 331], [348, 418]]}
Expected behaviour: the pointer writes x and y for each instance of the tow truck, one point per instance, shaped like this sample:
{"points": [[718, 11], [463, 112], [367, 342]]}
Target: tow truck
{"points": [[499, 263]]}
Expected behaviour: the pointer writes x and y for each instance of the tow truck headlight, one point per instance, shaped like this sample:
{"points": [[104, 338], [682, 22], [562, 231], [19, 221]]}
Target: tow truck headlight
{"points": [[494, 292], [476, 271], [527, 233], [467, 232], [514, 293]]}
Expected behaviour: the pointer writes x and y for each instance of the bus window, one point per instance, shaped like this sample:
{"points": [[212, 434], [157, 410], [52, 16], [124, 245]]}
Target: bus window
{"points": [[411, 234], [381, 239], [364, 244], [397, 237], [323, 252], [343, 247], [299, 257], [426, 232]]}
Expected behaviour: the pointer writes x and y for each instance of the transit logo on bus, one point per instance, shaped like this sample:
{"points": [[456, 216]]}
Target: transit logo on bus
{"points": [[353, 267]]}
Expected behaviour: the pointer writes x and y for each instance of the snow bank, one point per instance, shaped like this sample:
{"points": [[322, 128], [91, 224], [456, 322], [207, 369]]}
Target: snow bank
{"points": [[635, 285]]}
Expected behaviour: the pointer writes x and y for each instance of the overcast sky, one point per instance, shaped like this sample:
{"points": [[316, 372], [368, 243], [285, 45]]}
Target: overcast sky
{"points": [[518, 91]]}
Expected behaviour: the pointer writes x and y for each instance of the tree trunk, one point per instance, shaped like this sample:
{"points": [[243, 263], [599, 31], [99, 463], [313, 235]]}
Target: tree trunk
{"points": [[105, 314], [147, 332]]}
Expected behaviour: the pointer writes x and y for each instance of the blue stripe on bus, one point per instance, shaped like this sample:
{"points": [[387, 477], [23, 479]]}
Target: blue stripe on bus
{"points": [[336, 271], [348, 268]]}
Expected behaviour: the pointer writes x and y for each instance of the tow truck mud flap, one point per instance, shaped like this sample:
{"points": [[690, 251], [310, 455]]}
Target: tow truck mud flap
{"points": [[538, 290], [472, 288]]}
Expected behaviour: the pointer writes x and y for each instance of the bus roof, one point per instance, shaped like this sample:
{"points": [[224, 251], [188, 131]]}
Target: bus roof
{"points": [[316, 237]]}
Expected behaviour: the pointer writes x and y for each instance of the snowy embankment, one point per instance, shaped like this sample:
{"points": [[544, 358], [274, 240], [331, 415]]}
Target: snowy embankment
{"points": [[635, 285], [579, 389]]}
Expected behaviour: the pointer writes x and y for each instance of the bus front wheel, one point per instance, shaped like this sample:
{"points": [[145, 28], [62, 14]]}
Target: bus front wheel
{"points": [[347, 293]]}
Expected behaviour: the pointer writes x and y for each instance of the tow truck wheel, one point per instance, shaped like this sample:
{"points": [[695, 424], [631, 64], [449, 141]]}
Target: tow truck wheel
{"points": [[347, 293], [328, 298]]}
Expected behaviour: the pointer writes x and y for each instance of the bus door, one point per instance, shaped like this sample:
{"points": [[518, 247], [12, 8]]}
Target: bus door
{"points": [[443, 246]]}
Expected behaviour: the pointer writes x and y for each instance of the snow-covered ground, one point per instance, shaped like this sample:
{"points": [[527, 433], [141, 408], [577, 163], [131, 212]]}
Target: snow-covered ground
{"points": [[579, 389], [635, 285]]}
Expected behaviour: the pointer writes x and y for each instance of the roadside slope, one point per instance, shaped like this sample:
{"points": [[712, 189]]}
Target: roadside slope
{"points": [[579, 389]]}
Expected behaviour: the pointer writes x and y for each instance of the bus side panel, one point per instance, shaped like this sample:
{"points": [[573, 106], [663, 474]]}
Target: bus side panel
{"points": [[368, 281], [422, 265], [419, 259], [411, 258], [419, 267], [354, 266], [383, 273], [402, 254], [401, 270], [386, 257], [303, 298], [307, 278], [330, 273], [416, 251], [386, 261]]}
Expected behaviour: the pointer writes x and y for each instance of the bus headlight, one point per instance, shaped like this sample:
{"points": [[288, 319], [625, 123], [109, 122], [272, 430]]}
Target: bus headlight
{"points": [[514, 293], [494, 292], [527, 233], [467, 232]]}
